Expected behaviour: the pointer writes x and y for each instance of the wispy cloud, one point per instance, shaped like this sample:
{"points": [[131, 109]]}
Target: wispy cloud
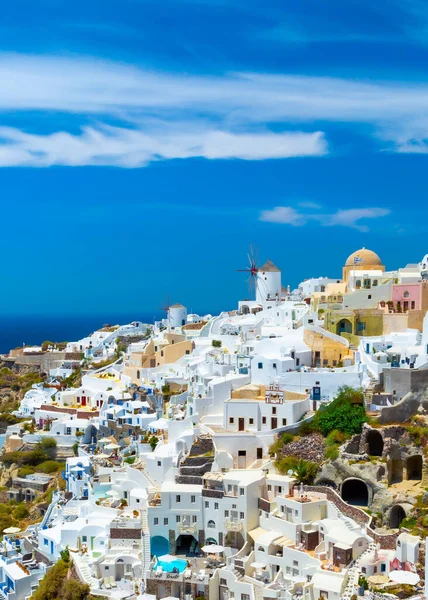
{"points": [[287, 215], [239, 115], [122, 147]]}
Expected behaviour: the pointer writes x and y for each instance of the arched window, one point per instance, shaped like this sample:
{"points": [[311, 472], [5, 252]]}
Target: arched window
{"points": [[358, 284], [261, 549], [211, 524], [406, 294]]}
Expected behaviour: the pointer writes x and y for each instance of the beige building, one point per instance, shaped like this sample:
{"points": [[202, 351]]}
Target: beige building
{"points": [[169, 349]]}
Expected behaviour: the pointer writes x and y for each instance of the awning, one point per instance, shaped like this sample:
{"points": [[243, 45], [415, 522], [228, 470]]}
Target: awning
{"points": [[256, 533], [284, 541]]}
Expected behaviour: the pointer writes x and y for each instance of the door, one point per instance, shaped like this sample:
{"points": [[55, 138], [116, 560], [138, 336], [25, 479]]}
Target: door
{"points": [[259, 453], [83, 400], [274, 423], [242, 459], [241, 422]]}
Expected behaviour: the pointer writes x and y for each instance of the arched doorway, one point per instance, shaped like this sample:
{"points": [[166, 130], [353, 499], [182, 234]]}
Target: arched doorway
{"points": [[414, 467], [159, 545], [187, 545], [374, 443], [344, 326], [355, 492], [396, 515], [395, 471]]}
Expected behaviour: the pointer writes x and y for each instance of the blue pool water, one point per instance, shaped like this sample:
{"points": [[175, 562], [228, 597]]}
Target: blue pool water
{"points": [[178, 563]]}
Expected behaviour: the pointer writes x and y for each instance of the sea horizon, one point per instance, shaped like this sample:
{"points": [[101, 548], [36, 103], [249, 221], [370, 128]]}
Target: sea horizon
{"points": [[16, 330]]}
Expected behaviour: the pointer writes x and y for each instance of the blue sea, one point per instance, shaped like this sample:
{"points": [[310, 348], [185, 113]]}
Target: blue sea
{"points": [[16, 330]]}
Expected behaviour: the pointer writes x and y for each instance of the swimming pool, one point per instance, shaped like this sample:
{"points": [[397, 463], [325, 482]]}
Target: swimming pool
{"points": [[179, 563]]}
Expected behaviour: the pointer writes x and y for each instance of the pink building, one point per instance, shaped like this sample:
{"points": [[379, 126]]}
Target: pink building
{"points": [[407, 297]]}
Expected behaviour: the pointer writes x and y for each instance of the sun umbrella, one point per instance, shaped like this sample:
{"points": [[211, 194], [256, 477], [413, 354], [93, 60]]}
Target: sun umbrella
{"points": [[378, 579], [404, 577], [213, 549], [258, 565], [112, 447], [167, 558], [11, 530]]}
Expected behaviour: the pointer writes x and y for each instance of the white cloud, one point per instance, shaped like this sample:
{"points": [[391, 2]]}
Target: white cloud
{"points": [[286, 215], [216, 116], [351, 217], [346, 218], [124, 147]]}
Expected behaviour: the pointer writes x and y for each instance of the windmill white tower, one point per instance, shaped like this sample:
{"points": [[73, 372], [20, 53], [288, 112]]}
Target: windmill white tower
{"points": [[268, 286]]}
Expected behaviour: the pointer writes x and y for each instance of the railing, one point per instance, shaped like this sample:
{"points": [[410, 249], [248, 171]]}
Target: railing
{"points": [[208, 493], [187, 527], [233, 524]]}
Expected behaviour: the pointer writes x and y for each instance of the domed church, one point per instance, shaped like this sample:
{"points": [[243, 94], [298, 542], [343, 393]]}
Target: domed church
{"points": [[362, 260]]}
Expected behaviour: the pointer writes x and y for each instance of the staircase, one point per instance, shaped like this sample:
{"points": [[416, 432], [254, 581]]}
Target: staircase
{"points": [[257, 587], [145, 541], [56, 496], [197, 463], [84, 570]]}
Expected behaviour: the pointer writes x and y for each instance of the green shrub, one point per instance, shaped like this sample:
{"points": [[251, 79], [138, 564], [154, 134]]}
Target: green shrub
{"points": [[153, 442], [50, 466], [130, 460], [335, 437], [49, 445], [346, 413], [331, 452], [287, 438], [26, 470], [216, 343], [21, 512]]}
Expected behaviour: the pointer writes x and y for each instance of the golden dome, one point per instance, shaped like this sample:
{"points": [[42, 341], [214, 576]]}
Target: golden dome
{"points": [[364, 257]]}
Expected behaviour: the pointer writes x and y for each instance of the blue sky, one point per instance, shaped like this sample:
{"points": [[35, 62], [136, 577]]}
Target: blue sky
{"points": [[144, 146]]}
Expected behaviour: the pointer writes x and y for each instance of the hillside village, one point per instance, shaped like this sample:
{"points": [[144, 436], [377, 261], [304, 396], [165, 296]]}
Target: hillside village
{"points": [[274, 451]]}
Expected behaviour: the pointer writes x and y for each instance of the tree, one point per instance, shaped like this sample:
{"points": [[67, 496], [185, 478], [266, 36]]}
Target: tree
{"points": [[346, 413]]}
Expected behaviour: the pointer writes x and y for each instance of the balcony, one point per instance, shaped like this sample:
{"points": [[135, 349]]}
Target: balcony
{"points": [[233, 524], [187, 528], [212, 493]]}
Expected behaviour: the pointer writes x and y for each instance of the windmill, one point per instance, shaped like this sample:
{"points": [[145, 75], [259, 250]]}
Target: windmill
{"points": [[252, 270], [165, 308]]}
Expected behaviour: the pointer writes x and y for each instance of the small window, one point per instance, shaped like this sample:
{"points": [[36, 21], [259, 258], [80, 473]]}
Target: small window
{"points": [[178, 499], [226, 514], [231, 420], [165, 521], [369, 296], [269, 488], [159, 463], [187, 351], [207, 504], [264, 420], [223, 581], [274, 365], [156, 521], [84, 538], [215, 505], [242, 515], [274, 410], [177, 518], [251, 421], [284, 422], [260, 366], [194, 518], [241, 491], [192, 499]]}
